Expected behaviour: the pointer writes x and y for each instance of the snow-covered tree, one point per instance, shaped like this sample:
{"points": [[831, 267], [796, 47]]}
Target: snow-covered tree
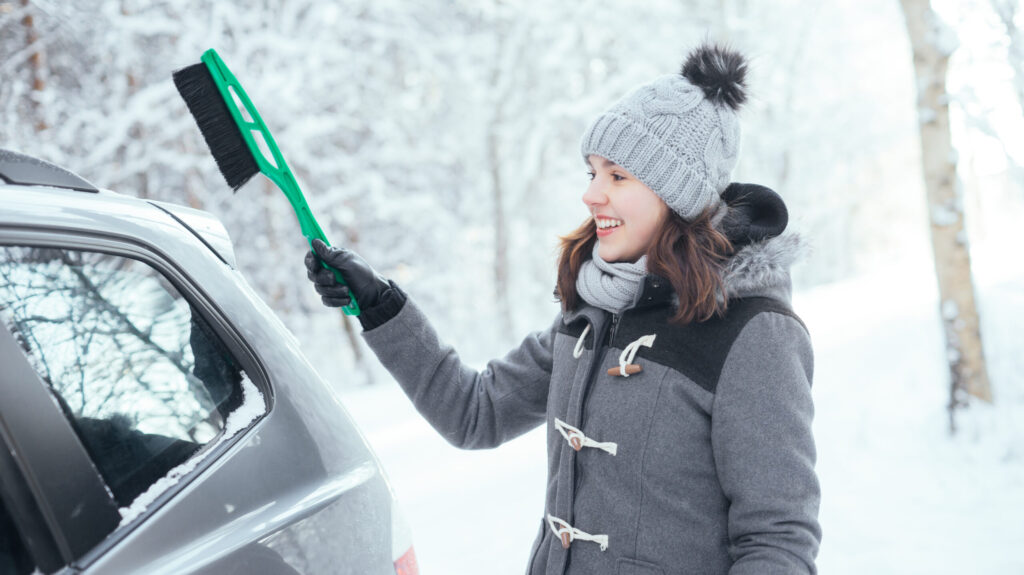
{"points": [[440, 139], [933, 43]]}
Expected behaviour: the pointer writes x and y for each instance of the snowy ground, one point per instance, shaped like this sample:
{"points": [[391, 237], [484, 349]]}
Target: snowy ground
{"points": [[899, 495]]}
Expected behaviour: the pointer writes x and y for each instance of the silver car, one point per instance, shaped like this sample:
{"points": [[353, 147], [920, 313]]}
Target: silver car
{"points": [[155, 415]]}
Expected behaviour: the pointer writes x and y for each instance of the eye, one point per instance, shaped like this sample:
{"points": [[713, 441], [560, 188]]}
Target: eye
{"points": [[591, 175], [618, 177]]}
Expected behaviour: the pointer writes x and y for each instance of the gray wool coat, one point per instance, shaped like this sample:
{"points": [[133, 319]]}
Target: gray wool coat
{"points": [[701, 463]]}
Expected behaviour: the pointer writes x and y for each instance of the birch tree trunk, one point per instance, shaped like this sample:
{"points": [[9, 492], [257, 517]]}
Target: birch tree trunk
{"points": [[932, 47]]}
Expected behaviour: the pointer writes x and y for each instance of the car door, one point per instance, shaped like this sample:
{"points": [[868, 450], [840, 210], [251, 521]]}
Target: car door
{"points": [[118, 386]]}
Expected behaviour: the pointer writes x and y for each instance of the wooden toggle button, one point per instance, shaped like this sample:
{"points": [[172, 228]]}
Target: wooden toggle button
{"points": [[631, 369], [565, 540], [576, 443]]}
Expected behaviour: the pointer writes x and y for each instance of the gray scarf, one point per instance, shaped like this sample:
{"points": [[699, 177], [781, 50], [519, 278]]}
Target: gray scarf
{"points": [[610, 286]]}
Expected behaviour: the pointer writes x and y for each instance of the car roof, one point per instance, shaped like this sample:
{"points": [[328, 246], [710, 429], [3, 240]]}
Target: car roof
{"points": [[104, 212]]}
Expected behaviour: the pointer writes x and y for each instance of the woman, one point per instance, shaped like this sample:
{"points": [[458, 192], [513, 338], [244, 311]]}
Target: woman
{"points": [[675, 384]]}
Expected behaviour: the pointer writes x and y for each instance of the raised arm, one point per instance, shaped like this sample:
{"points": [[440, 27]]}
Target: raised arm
{"points": [[471, 409]]}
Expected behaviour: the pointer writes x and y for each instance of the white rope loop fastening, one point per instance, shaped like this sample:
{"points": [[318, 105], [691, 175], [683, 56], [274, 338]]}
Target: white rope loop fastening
{"points": [[628, 354], [578, 440], [578, 350], [563, 528]]}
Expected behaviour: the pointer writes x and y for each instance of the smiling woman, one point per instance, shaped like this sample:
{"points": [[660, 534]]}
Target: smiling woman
{"points": [[703, 462]]}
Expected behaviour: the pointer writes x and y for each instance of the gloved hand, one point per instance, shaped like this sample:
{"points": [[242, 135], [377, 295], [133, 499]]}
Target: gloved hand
{"points": [[363, 282]]}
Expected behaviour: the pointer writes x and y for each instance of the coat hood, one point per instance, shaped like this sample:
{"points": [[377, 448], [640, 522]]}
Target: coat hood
{"points": [[754, 222], [761, 269]]}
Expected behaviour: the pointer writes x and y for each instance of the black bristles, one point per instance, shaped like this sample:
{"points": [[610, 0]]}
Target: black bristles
{"points": [[234, 160]]}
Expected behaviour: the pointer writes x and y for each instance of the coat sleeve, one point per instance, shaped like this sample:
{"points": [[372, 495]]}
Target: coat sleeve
{"points": [[764, 449], [471, 409]]}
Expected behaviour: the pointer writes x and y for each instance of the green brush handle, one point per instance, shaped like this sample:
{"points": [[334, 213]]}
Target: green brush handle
{"points": [[268, 157]]}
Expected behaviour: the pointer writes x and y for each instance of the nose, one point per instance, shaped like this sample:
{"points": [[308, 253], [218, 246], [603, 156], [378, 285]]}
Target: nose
{"points": [[595, 195]]}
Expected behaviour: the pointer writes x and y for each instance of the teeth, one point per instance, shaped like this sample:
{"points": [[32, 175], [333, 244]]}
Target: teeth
{"points": [[607, 223]]}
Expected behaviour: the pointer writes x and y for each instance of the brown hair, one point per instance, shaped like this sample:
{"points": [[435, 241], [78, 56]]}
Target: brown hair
{"points": [[690, 255]]}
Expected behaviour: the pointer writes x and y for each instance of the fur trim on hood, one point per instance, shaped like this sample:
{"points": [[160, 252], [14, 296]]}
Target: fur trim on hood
{"points": [[762, 268]]}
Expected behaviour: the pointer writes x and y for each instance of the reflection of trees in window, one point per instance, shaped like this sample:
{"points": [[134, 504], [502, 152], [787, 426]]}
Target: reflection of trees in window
{"points": [[114, 338]]}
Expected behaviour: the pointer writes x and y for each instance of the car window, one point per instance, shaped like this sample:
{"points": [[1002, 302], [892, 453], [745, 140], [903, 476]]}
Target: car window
{"points": [[141, 376], [14, 557]]}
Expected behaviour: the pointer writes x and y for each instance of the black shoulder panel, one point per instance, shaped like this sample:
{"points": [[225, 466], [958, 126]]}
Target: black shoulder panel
{"points": [[575, 330], [697, 350], [18, 168]]}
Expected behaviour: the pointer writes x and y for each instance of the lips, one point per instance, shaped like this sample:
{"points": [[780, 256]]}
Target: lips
{"points": [[606, 225]]}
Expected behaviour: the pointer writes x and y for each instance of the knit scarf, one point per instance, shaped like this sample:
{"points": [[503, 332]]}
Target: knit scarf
{"points": [[610, 286]]}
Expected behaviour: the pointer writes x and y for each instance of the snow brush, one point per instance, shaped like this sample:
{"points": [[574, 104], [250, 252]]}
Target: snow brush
{"points": [[240, 142]]}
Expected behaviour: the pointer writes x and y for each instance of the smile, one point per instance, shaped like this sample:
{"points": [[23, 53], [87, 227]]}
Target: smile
{"points": [[604, 223]]}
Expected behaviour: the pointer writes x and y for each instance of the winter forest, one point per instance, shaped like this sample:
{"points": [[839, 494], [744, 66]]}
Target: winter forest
{"points": [[440, 140]]}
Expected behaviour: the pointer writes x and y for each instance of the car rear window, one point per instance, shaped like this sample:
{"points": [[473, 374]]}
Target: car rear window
{"points": [[142, 377]]}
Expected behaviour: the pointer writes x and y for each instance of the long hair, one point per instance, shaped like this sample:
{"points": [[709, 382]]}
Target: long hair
{"points": [[690, 255]]}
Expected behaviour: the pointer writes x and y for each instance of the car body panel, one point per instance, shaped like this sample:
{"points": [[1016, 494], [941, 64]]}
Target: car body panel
{"points": [[281, 487], [208, 228]]}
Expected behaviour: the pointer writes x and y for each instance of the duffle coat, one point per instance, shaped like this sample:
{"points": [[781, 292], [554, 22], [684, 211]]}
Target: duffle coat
{"points": [[702, 462]]}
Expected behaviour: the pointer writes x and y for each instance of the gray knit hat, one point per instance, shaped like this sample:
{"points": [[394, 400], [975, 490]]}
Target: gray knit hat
{"points": [[680, 134]]}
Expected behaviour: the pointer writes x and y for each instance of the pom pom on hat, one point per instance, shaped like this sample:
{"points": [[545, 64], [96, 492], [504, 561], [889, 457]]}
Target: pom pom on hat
{"points": [[720, 72]]}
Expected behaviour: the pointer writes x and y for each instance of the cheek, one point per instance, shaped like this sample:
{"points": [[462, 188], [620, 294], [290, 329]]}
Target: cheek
{"points": [[648, 229], [650, 214]]}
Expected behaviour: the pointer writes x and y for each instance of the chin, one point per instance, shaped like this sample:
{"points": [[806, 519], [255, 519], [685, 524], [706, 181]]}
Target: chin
{"points": [[609, 256], [616, 258]]}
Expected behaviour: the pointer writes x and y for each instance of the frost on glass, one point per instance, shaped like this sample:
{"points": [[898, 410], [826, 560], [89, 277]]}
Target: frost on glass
{"points": [[144, 381]]}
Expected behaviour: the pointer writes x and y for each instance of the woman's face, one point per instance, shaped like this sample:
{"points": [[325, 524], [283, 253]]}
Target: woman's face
{"points": [[628, 214]]}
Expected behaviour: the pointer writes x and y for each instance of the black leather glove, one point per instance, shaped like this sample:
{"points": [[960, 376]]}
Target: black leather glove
{"points": [[363, 282]]}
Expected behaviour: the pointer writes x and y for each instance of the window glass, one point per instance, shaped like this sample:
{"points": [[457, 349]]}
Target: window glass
{"points": [[142, 377]]}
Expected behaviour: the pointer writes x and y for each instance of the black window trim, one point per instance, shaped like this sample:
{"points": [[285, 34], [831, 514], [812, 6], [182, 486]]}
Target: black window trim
{"points": [[48, 454], [130, 247], [21, 505]]}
